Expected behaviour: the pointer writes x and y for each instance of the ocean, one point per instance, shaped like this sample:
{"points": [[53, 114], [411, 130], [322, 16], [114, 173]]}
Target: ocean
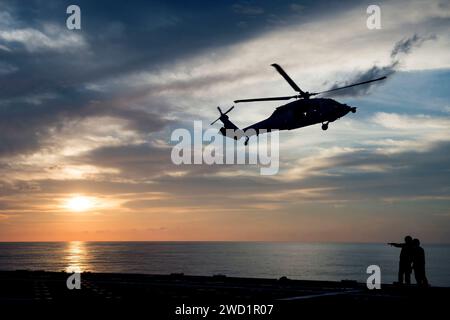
{"points": [[307, 261]]}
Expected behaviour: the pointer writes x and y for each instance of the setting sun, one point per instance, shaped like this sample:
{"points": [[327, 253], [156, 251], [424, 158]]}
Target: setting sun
{"points": [[79, 203]]}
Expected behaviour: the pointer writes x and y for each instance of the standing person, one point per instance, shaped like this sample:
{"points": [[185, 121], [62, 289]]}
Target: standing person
{"points": [[419, 264], [404, 267]]}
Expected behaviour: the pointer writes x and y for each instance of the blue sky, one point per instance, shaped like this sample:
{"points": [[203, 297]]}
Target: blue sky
{"points": [[88, 113]]}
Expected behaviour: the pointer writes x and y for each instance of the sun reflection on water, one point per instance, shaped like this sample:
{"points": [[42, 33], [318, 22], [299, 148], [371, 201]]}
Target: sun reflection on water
{"points": [[76, 257]]}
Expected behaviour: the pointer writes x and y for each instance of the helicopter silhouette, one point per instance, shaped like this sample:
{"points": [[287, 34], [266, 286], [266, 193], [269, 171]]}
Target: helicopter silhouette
{"points": [[300, 113]]}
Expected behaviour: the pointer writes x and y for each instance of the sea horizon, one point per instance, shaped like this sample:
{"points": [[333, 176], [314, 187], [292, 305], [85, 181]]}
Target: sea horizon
{"points": [[252, 259], [218, 241]]}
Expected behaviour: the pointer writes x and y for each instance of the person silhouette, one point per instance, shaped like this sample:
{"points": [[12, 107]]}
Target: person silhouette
{"points": [[404, 267], [418, 260]]}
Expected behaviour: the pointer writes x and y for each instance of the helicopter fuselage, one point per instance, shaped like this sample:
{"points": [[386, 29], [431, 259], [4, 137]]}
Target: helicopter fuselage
{"points": [[302, 113]]}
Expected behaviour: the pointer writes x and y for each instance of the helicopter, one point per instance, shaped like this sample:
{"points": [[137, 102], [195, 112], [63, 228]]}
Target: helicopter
{"points": [[300, 113]]}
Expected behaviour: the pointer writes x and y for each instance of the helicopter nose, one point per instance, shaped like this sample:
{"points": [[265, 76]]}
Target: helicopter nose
{"points": [[348, 109]]}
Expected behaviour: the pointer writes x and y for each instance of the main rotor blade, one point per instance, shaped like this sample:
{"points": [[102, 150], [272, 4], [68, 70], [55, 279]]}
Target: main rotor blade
{"points": [[287, 78], [349, 86], [222, 114], [267, 99]]}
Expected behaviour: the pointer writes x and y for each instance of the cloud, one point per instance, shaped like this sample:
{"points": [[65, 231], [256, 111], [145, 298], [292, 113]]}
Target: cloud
{"points": [[366, 174], [51, 38], [413, 123], [137, 162], [247, 9], [50, 76], [6, 68], [42, 124], [297, 8]]}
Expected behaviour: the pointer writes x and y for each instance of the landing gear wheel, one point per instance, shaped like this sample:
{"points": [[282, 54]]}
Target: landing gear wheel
{"points": [[324, 126]]}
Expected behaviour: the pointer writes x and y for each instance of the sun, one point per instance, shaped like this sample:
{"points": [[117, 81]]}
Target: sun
{"points": [[79, 203]]}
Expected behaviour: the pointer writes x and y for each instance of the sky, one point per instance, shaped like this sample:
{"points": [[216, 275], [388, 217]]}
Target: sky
{"points": [[86, 118]]}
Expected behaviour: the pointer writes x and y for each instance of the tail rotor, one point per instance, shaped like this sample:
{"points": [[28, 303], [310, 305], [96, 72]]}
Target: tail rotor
{"points": [[222, 114]]}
